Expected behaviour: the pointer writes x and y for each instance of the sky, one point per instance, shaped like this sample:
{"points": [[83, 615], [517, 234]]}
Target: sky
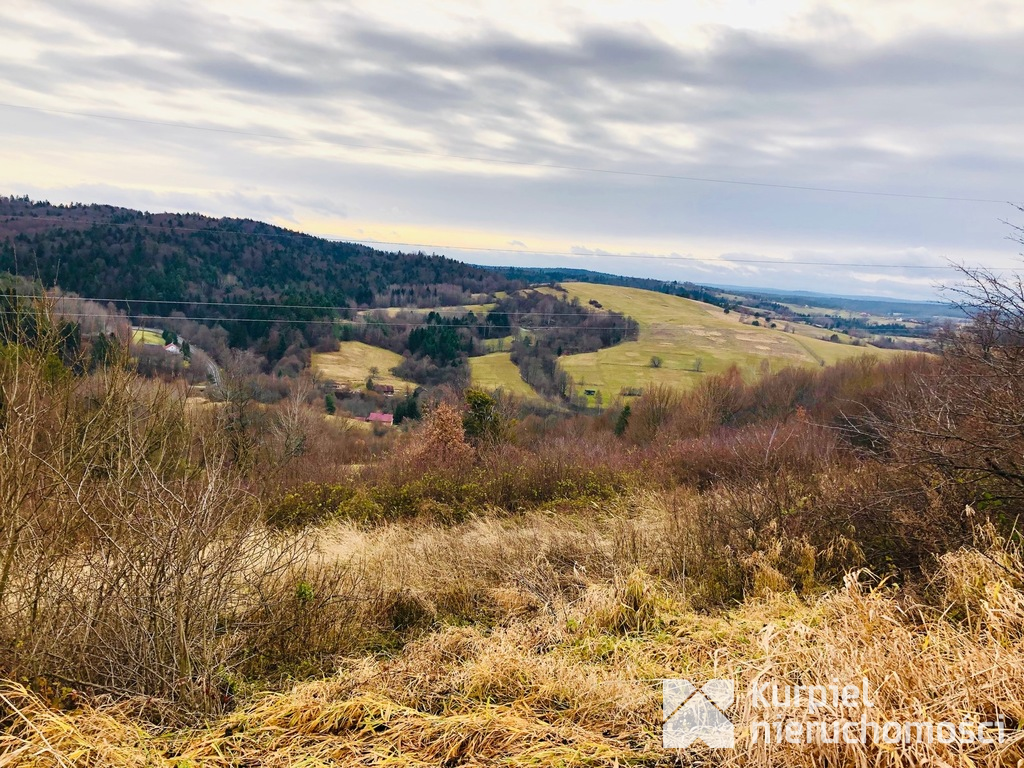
{"points": [[650, 138]]}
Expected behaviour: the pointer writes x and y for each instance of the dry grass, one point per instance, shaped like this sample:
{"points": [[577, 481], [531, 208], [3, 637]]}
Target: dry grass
{"points": [[144, 336], [497, 371], [545, 647], [352, 362], [149, 616]]}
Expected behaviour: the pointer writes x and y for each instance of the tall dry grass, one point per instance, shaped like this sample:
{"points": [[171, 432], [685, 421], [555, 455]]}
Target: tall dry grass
{"points": [[568, 675], [134, 559], [168, 570]]}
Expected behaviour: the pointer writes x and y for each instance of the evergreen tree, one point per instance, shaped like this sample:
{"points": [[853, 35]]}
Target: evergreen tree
{"points": [[623, 421]]}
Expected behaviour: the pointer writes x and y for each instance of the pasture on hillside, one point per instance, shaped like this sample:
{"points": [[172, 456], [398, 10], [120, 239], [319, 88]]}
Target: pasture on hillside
{"points": [[691, 339], [147, 336], [497, 371], [353, 361]]}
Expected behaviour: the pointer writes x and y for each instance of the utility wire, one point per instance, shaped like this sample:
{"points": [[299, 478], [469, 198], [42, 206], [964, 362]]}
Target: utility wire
{"points": [[366, 316], [450, 309], [335, 321], [672, 257], [496, 160], [532, 328]]}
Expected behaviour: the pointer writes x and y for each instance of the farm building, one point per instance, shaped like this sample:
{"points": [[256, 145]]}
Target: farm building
{"points": [[380, 418]]}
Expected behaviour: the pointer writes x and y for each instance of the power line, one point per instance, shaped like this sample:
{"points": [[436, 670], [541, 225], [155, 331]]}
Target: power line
{"points": [[513, 326], [336, 321], [365, 316], [867, 348], [451, 308], [602, 255], [441, 310], [499, 161]]}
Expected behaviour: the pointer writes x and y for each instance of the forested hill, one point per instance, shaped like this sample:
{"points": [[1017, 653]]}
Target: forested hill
{"points": [[118, 253]]}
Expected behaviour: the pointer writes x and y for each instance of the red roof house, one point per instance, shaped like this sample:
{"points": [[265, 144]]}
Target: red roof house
{"points": [[381, 418]]}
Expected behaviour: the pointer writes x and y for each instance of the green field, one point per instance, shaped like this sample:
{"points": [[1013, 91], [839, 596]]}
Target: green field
{"points": [[351, 365], [142, 336], [503, 344], [682, 332], [692, 340], [497, 371]]}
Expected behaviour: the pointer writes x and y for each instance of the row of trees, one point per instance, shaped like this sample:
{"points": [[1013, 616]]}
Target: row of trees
{"points": [[541, 327], [557, 327]]}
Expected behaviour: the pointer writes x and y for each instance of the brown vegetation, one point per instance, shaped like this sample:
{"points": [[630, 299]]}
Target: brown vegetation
{"points": [[480, 589]]}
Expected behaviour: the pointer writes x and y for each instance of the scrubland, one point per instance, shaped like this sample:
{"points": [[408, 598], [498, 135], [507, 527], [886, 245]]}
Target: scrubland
{"points": [[251, 585]]}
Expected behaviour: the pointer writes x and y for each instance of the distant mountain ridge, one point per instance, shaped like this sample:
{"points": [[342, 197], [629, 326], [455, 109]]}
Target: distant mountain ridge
{"points": [[197, 262], [721, 294]]}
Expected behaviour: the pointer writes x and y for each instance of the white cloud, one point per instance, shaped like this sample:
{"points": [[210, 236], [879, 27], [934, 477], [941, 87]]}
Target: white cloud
{"points": [[911, 97]]}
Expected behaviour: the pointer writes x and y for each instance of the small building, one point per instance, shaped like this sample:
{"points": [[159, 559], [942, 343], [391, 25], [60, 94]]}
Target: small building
{"points": [[380, 418], [174, 349], [385, 389]]}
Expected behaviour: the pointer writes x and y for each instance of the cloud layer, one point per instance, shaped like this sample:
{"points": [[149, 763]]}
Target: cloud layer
{"points": [[389, 113]]}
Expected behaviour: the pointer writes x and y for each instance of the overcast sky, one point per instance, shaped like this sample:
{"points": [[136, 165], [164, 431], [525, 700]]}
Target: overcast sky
{"points": [[440, 124]]}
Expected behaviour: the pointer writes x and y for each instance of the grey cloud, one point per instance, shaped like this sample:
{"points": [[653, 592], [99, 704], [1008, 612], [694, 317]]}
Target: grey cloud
{"points": [[929, 113], [244, 74], [744, 91], [177, 28]]}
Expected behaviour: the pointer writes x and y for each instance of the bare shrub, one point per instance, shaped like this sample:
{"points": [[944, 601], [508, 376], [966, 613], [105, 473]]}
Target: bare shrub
{"points": [[963, 416], [133, 560], [756, 452], [653, 409]]}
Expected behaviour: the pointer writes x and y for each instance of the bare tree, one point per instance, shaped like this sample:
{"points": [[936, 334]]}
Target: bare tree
{"points": [[962, 415]]}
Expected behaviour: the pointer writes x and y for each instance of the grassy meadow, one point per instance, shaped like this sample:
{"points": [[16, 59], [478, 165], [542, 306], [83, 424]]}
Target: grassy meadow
{"points": [[688, 335], [496, 371], [146, 336], [692, 340], [352, 364]]}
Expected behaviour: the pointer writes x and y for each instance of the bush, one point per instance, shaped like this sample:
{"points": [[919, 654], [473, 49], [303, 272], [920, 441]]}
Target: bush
{"points": [[309, 504]]}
